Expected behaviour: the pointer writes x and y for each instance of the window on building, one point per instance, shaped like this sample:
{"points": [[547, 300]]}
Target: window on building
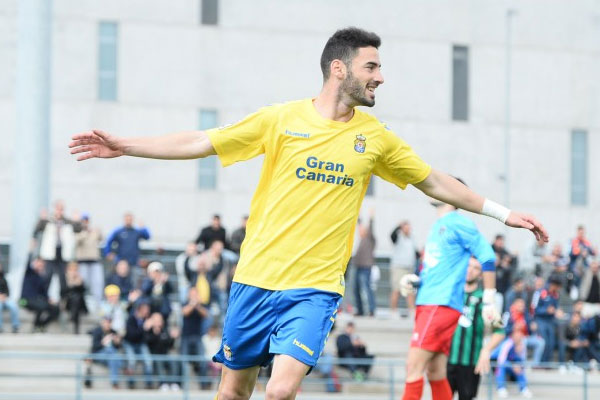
{"points": [[207, 167], [460, 83], [579, 163], [209, 12], [107, 61]]}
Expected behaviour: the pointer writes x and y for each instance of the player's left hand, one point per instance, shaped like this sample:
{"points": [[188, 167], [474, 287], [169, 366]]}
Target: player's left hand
{"points": [[409, 284], [483, 364], [518, 220], [491, 316]]}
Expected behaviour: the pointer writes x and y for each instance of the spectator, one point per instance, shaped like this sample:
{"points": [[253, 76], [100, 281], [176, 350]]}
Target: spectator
{"points": [[516, 291], [113, 309], [7, 303], [212, 232], [578, 343], [157, 288], [237, 237], [134, 344], [160, 341], [363, 261], [590, 289], [194, 313], [124, 242], [186, 266], [121, 278], [534, 258], [74, 295], [519, 319], [558, 266], [217, 274], [212, 342], [57, 241], [510, 356], [34, 295], [87, 254], [505, 268], [581, 249], [349, 345], [105, 350], [545, 303], [403, 261]]}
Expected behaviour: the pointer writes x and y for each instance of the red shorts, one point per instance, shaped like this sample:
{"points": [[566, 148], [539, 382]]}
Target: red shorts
{"points": [[434, 327]]}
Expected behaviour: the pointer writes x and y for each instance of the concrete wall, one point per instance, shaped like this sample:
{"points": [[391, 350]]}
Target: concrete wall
{"points": [[262, 52]]}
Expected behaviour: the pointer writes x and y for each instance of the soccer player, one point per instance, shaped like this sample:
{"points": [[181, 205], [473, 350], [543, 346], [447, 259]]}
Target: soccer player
{"points": [[320, 154], [451, 242], [469, 358]]}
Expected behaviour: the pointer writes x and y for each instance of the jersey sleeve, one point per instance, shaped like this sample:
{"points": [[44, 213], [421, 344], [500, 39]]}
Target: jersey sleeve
{"points": [[243, 140], [399, 164], [474, 241]]}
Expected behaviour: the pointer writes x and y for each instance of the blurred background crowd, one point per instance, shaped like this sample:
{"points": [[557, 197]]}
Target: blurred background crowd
{"points": [[149, 306]]}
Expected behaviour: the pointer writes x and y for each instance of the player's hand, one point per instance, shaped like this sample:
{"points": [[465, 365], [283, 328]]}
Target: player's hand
{"points": [[409, 284], [483, 364], [518, 220], [96, 144], [491, 316]]}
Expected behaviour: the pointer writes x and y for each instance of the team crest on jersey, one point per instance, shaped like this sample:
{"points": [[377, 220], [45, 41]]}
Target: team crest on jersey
{"points": [[360, 144], [227, 352]]}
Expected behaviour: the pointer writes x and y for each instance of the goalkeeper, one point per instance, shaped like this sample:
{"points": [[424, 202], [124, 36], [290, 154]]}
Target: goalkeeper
{"points": [[451, 242]]}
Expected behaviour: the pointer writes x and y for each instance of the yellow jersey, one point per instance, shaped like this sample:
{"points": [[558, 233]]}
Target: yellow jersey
{"points": [[313, 180]]}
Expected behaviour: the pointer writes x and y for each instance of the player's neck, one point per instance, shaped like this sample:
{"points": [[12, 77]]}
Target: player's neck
{"points": [[470, 287], [330, 106], [444, 209]]}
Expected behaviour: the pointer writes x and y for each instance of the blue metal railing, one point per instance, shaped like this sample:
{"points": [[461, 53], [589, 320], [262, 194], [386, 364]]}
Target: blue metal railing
{"points": [[316, 382]]}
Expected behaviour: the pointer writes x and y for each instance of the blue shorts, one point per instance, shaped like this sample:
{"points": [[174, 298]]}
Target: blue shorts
{"points": [[261, 323]]}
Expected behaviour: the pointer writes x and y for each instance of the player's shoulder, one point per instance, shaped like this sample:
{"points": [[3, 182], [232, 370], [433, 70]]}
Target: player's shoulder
{"points": [[373, 122], [275, 108], [460, 220]]}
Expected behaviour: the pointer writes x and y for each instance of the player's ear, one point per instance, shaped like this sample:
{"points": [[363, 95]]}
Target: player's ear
{"points": [[337, 69]]}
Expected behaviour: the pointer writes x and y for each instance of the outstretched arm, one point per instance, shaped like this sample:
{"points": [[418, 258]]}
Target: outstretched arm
{"points": [[445, 188], [175, 146]]}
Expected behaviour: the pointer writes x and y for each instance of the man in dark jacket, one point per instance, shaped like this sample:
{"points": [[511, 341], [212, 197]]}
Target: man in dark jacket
{"points": [[160, 341], [212, 232], [34, 295], [349, 345], [7, 303], [238, 236], [138, 324], [105, 346], [123, 242]]}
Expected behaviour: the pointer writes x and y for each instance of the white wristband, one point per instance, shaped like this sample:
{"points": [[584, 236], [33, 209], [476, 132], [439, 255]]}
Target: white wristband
{"points": [[489, 296], [495, 210]]}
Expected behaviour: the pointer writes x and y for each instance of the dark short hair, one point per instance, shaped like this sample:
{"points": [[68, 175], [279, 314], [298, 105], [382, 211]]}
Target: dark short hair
{"points": [[344, 44]]}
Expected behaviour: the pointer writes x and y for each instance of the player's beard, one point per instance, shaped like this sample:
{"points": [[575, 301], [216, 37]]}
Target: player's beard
{"points": [[356, 91]]}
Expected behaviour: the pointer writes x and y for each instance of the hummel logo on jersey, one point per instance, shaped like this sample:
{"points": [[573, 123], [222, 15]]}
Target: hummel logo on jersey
{"points": [[297, 134]]}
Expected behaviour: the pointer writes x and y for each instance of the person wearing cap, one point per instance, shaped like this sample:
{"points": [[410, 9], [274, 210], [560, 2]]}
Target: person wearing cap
{"points": [[156, 288], [546, 311], [113, 308], [106, 343], [87, 254]]}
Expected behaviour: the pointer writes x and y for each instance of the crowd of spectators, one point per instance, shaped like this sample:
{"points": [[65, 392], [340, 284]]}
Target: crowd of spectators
{"points": [[143, 313], [550, 296]]}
